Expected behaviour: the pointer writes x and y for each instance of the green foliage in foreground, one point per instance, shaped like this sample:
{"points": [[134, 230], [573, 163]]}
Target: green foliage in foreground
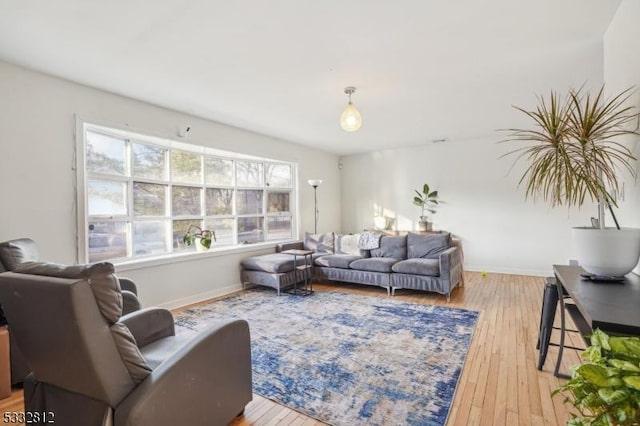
{"points": [[606, 388]]}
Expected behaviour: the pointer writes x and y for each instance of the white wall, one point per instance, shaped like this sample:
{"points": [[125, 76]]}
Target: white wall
{"points": [[37, 180], [621, 71], [501, 231]]}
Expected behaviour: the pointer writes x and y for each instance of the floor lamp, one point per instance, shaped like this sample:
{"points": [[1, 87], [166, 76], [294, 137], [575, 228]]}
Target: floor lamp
{"points": [[315, 183]]}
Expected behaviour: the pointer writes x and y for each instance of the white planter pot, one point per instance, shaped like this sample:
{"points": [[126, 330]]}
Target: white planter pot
{"points": [[609, 252]]}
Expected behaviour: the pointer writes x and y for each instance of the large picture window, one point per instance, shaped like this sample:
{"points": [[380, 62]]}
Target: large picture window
{"points": [[138, 195]]}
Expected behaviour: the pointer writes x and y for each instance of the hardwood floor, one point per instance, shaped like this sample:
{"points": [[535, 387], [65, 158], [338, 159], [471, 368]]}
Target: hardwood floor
{"points": [[500, 384]]}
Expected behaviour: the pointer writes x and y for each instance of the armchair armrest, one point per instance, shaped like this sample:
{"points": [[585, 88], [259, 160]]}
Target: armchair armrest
{"points": [[296, 245], [130, 302], [150, 324], [128, 285], [210, 375]]}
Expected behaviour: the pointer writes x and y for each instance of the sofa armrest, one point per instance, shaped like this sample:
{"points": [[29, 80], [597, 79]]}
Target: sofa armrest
{"points": [[296, 245], [210, 375], [451, 267], [150, 324]]}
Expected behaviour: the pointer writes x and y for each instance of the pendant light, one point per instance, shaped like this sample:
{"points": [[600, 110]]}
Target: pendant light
{"points": [[350, 119]]}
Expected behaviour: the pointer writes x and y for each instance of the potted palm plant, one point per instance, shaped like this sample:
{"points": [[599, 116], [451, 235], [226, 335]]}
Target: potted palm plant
{"points": [[574, 156], [428, 201], [195, 234]]}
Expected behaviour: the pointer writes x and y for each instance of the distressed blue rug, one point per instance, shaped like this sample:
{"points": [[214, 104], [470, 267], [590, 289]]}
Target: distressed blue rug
{"points": [[349, 359]]}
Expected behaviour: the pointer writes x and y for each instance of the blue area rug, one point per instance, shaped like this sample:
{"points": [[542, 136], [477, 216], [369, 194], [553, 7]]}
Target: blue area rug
{"points": [[349, 359]]}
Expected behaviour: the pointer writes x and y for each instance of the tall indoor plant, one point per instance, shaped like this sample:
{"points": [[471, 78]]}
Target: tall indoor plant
{"points": [[574, 157]]}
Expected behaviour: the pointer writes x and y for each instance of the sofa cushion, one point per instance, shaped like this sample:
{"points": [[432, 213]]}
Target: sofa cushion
{"points": [[427, 246], [417, 266], [319, 243], [341, 261], [374, 264], [15, 252], [276, 263], [394, 247]]}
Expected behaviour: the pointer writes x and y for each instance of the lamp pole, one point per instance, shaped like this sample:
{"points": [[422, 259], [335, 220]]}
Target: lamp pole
{"points": [[315, 183]]}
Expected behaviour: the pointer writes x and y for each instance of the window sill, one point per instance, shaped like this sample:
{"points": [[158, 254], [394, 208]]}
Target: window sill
{"points": [[130, 265]]}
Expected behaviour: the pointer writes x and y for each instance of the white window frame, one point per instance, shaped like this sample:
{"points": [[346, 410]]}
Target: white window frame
{"points": [[134, 136]]}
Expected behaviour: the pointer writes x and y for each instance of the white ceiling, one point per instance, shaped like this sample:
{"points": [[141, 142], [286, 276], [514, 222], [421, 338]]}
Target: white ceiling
{"points": [[424, 69]]}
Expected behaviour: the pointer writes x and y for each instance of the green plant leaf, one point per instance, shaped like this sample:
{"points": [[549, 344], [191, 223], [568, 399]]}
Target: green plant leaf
{"points": [[626, 346], [612, 396], [597, 376], [624, 365], [205, 242], [425, 189], [633, 382], [600, 338], [433, 194]]}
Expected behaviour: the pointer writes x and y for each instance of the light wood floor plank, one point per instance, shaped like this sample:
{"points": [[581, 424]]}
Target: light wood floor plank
{"points": [[500, 384]]}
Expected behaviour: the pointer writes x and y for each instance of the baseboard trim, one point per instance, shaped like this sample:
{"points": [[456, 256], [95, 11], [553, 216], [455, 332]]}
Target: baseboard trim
{"points": [[510, 271], [201, 297]]}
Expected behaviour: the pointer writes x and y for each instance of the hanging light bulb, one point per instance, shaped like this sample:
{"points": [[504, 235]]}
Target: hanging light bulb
{"points": [[350, 119]]}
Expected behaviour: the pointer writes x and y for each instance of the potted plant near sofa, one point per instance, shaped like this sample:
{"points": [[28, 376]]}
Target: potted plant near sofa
{"points": [[202, 237], [427, 200], [574, 157]]}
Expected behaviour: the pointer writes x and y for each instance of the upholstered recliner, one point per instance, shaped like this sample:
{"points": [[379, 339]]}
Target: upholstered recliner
{"points": [[92, 366], [15, 252]]}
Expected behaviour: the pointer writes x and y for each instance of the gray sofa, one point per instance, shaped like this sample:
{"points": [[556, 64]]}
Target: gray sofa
{"points": [[415, 261]]}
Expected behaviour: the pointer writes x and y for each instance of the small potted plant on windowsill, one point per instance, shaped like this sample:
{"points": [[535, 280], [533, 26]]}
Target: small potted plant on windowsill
{"points": [[195, 233], [428, 201]]}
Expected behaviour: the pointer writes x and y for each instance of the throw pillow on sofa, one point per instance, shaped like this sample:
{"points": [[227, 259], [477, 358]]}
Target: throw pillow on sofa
{"points": [[319, 243], [427, 246], [393, 247], [348, 244]]}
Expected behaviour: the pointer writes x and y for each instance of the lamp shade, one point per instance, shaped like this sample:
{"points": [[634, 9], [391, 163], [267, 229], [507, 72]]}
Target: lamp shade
{"points": [[350, 119], [314, 182]]}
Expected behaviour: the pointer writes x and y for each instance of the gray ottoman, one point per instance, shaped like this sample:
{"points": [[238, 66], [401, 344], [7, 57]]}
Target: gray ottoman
{"points": [[272, 270]]}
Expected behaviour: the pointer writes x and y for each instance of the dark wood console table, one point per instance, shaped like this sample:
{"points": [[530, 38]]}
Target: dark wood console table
{"points": [[613, 307]]}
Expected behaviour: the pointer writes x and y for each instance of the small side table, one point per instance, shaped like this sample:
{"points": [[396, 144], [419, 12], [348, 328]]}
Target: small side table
{"points": [[306, 268]]}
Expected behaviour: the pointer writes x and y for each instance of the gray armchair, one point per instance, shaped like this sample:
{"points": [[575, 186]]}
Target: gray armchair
{"points": [[92, 366], [15, 252]]}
